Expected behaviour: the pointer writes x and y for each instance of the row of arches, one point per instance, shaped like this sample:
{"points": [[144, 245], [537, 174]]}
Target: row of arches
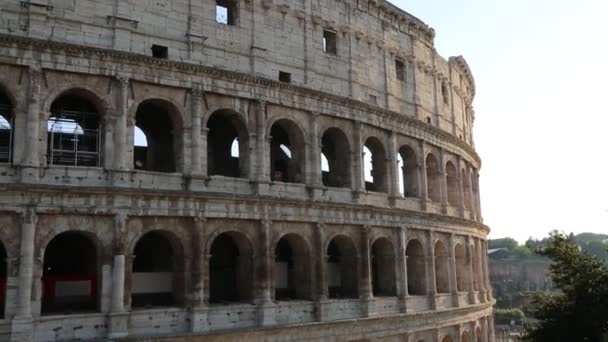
{"points": [[76, 137], [71, 276]]}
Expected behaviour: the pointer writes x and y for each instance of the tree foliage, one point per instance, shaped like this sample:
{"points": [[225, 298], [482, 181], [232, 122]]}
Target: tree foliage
{"points": [[507, 243], [580, 311]]}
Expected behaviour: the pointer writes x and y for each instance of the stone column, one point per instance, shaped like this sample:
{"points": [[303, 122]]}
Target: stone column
{"points": [[366, 281], [322, 287], [486, 271], [430, 263], [314, 178], [118, 317], [33, 119], [424, 187], [477, 197], [266, 312], [358, 177], [491, 329], [453, 270], [198, 314], [444, 181], [26, 264], [118, 284], [120, 123], [195, 165], [263, 163], [470, 271], [402, 268], [461, 189], [471, 198], [393, 167]]}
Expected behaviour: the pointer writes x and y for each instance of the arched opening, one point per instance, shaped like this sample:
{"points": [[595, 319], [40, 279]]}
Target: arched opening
{"points": [[466, 187], [157, 121], [383, 268], [6, 129], [452, 182], [3, 273], [154, 272], [432, 178], [374, 165], [447, 339], [230, 269], [292, 269], [227, 144], [287, 152], [442, 282], [342, 275], [70, 275], [74, 132], [409, 171], [416, 270], [334, 146], [465, 337], [461, 267]]}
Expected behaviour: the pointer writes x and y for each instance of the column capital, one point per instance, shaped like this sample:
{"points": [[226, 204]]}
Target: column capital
{"points": [[197, 92], [123, 81]]}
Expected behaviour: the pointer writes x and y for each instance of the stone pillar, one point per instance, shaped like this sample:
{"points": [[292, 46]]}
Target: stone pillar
{"points": [[393, 167], [118, 284], [322, 287], [120, 130], [314, 178], [430, 263], [21, 325], [424, 187], [470, 271], [453, 270], [33, 119], [358, 177], [266, 308], [118, 317], [195, 164], [402, 268], [444, 181], [198, 314], [486, 273], [461, 189], [366, 281], [477, 197], [263, 163], [491, 329], [471, 198]]}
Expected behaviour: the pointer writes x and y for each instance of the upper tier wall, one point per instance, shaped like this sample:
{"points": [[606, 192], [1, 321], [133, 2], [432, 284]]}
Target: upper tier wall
{"points": [[269, 36]]}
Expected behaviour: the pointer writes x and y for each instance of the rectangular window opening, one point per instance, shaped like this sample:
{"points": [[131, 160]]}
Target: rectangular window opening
{"points": [[330, 42], [225, 12], [399, 70], [159, 51], [373, 99], [284, 77]]}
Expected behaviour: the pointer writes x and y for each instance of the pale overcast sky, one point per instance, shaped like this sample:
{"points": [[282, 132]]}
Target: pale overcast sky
{"points": [[541, 124]]}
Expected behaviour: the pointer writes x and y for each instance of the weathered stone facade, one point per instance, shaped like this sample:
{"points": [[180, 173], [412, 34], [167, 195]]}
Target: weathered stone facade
{"points": [[253, 170]]}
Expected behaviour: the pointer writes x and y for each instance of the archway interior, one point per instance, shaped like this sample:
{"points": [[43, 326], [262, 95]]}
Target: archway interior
{"points": [[335, 150], [408, 177], [383, 268], [461, 267], [416, 271], [292, 269], [464, 337], [374, 165], [286, 152], [6, 131], [153, 281], [74, 132], [230, 270], [452, 182], [342, 268], [447, 339], [441, 268], [3, 275], [70, 275], [224, 145], [153, 119], [432, 177]]}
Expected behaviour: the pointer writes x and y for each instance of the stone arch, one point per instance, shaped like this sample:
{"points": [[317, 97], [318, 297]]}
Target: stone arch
{"points": [[451, 175], [227, 127], [433, 178], [287, 151], [293, 269], [374, 167], [409, 176], [162, 124], [157, 277], [7, 119], [465, 337], [416, 268], [442, 282], [336, 149], [447, 338], [75, 129], [383, 268], [342, 269], [70, 277], [478, 334], [230, 268], [3, 278], [461, 267]]}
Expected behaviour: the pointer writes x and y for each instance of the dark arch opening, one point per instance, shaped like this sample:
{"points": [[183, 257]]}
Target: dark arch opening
{"points": [[409, 172], [432, 178], [416, 270], [442, 282], [383, 268], [230, 269], [452, 182], [287, 152], [447, 339], [154, 272], [374, 165], [292, 269], [342, 270], [224, 158], [74, 132], [156, 119], [465, 337], [3, 275], [6, 129], [334, 146], [70, 275], [461, 267]]}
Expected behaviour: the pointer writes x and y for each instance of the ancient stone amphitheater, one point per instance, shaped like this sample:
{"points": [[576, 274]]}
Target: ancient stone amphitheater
{"points": [[251, 170]]}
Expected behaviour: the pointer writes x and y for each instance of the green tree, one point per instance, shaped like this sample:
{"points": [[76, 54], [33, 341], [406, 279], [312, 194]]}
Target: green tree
{"points": [[507, 243], [580, 311]]}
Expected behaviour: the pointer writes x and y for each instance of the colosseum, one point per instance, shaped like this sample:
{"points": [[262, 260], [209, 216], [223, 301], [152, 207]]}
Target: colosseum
{"points": [[251, 170]]}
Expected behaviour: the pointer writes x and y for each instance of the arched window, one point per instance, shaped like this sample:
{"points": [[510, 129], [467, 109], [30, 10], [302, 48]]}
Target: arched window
{"points": [[461, 267], [3, 273], [409, 171], [416, 270], [230, 269], [465, 337], [342, 275], [74, 132], [432, 178], [374, 165], [383, 268], [227, 144], [159, 123], [70, 275], [292, 269], [6, 129], [441, 268], [452, 182], [334, 146], [156, 270], [287, 152]]}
